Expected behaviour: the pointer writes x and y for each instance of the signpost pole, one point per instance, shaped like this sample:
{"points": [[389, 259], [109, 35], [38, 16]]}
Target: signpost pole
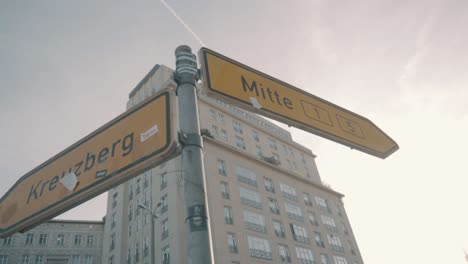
{"points": [[198, 246]]}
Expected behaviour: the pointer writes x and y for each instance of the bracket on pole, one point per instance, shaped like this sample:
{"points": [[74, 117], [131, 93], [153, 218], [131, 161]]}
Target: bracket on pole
{"points": [[190, 139]]}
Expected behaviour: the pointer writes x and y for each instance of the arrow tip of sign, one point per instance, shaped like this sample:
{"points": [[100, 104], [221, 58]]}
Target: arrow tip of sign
{"points": [[255, 103]]}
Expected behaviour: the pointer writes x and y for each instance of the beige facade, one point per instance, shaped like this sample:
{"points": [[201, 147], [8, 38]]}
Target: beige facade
{"points": [[55, 242], [265, 198]]}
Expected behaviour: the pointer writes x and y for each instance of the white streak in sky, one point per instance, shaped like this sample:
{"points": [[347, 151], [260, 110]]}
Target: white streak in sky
{"points": [[183, 23]]}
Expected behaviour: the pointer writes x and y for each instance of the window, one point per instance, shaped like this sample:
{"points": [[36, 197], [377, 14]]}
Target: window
{"points": [[322, 203], [345, 230], [228, 216], [213, 114], [324, 259], [294, 212], [89, 259], [75, 259], [339, 260], [90, 240], [137, 209], [25, 259], [137, 253], [274, 208], [112, 244], [129, 256], [246, 176], [146, 247], [29, 239], [272, 144], [254, 221], [279, 229], [258, 150], [3, 259], [164, 204], [114, 200], [255, 136], [111, 260], [130, 213], [335, 243], [224, 135], [305, 255], [351, 248], [299, 233], [129, 229], [164, 229], [146, 181], [307, 199], [113, 220], [221, 167], [259, 247], [283, 251], [77, 240], [313, 219], [250, 198], [130, 192], [60, 239], [138, 186], [237, 127], [318, 239], [220, 117], [42, 239], [232, 243], [163, 180], [215, 130], [329, 223], [288, 192], [166, 255], [7, 241], [269, 186], [240, 143], [39, 259], [224, 190]]}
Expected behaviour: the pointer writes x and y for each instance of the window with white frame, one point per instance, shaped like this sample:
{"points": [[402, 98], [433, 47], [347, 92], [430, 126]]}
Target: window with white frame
{"points": [[90, 240], [224, 188], [307, 199], [237, 127], [318, 239], [164, 229], [130, 192], [259, 247], [269, 185], [163, 180], [3, 259], [246, 176], [324, 259], [340, 260], [25, 259], [60, 239], [283, 251], [272, 144], [42, 239], [29, 239], [166, 255], [75, 259], [254, 221], [335, 243], [251, 198], [274, 207], [299, 233], [322, 203], [240, 143], [39, 259], [329, 223], [221, 167], [89, 259], [294, 212], [255, 136], [232, 243], [164, 204], [214, 130], [258, 151], [288, 191], [312, 218], [279, 229], [305, 255], [224, 135]]}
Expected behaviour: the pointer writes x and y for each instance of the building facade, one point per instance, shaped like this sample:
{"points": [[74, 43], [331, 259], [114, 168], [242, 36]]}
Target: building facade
{"points": [[55, 242], [265, 199]]}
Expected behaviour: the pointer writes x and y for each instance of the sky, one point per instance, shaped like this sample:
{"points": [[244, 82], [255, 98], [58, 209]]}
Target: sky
{"points": [[67, 67]]}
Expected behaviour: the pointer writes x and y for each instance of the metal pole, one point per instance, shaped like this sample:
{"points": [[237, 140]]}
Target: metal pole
{"points": [[198, 246]]}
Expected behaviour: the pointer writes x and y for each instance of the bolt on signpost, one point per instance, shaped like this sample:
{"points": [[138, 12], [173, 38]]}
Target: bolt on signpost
{"points": [[198, 246]]}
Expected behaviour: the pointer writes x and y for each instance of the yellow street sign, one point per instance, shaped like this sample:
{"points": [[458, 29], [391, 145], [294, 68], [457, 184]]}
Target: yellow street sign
{"points": [[135, 141], [258, 92]]}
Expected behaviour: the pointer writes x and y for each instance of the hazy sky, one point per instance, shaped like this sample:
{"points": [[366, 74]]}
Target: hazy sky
{"points": [[67, 67]]}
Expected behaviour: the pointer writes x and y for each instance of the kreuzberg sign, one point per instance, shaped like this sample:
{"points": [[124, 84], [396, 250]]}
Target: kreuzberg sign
{"points": [[255, 91], [135, 141]]}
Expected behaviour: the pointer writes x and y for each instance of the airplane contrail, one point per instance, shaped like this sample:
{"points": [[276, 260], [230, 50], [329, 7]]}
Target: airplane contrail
{"points": [[183, 23]]}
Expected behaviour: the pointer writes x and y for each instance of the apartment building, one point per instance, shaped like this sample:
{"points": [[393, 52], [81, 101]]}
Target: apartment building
{"points": [[265, 199], [55, 242]]}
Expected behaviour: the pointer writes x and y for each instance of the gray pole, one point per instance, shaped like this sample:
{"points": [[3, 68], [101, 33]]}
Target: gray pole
{"points": [[198, 245]]}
